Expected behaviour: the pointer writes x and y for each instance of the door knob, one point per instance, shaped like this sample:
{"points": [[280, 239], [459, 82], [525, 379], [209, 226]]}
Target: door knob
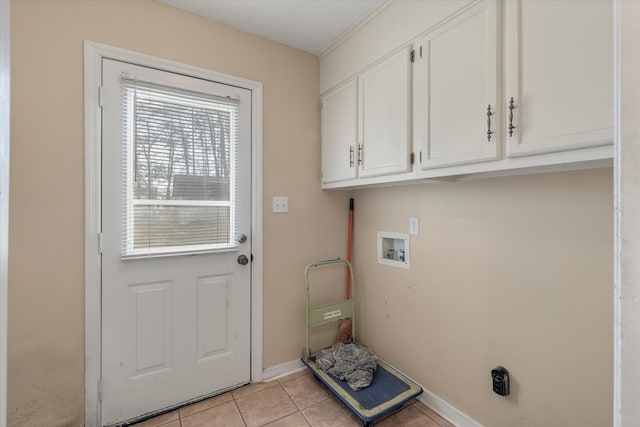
{"points": [[243, 260]]}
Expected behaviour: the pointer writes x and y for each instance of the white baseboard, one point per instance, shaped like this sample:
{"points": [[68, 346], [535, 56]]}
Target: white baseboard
{"points": [[440, 406], [283, 369], [446, 410]]}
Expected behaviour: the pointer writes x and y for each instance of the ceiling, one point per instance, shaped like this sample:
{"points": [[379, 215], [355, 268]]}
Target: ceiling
{"points": [[309, 25]]}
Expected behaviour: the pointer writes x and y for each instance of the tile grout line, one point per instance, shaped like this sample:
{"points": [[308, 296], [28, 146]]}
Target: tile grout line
{"points": [[289, 396], [281, 418], [253, 392], [324, 399], [429, 416], [272, 421], [300, 408], [233, 399], [292, 401], [307, 419], [182, 417]]}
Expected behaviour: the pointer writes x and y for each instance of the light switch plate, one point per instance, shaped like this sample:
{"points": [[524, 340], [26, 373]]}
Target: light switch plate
{"points": [[414, 226], [280, 204]]}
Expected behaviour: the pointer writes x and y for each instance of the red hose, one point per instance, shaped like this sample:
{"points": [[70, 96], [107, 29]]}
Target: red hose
{"points": [[350, 247]]}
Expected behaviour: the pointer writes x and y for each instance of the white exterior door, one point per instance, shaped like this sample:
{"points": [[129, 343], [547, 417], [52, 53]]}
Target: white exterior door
{"points": [[175, 208]]}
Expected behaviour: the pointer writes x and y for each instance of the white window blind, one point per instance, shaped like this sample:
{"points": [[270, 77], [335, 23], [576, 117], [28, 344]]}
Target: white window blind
{"points": [[179, 177]]}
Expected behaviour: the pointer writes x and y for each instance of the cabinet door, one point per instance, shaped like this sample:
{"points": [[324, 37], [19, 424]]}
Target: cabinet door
{"points": [[339, 133], [559, 71], [457, 86], [383, 113]]}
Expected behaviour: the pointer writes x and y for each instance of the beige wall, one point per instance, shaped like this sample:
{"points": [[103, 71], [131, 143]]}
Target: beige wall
{"points": [[513, 271], [46, 336]]}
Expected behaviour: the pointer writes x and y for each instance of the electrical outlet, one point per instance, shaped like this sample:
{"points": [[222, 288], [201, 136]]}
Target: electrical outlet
{"points": [[280, 204], [414, 226], [500, 378]]}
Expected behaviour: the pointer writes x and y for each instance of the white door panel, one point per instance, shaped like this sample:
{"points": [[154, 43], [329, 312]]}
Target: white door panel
{"points": [[213, 317], [339, 132], [148, 314], [384, 93], [176, 327], [458, 81], [561, 85]]}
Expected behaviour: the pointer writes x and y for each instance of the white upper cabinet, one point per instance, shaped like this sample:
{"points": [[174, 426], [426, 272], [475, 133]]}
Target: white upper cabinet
{"points": [[339, 133], [366, 123], [448, 97], [559, 72], [457, 90], [384, 94]]}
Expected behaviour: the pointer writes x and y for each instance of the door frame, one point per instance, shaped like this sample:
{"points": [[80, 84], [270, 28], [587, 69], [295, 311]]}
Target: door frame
{"points": [[626, 239], [5, 107], [93, 55]]}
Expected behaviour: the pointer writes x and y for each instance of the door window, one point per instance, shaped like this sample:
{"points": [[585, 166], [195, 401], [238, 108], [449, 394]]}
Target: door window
{"points": [[179, 161]]}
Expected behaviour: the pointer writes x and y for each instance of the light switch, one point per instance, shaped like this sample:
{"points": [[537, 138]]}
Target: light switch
{"points": [[414, 226], [280, 204]]}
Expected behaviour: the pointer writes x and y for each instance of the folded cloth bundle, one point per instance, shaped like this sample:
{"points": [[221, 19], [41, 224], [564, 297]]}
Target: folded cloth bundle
{"points": [[349, 362]]}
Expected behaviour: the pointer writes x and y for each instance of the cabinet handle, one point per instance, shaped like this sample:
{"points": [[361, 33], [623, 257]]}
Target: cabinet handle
{"points": [[351, 156], [359, 154], [489, 131], [511, 108]]}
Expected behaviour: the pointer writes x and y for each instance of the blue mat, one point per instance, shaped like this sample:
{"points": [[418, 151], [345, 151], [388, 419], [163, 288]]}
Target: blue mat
{"points": [[384, 387], [388, 391]]}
